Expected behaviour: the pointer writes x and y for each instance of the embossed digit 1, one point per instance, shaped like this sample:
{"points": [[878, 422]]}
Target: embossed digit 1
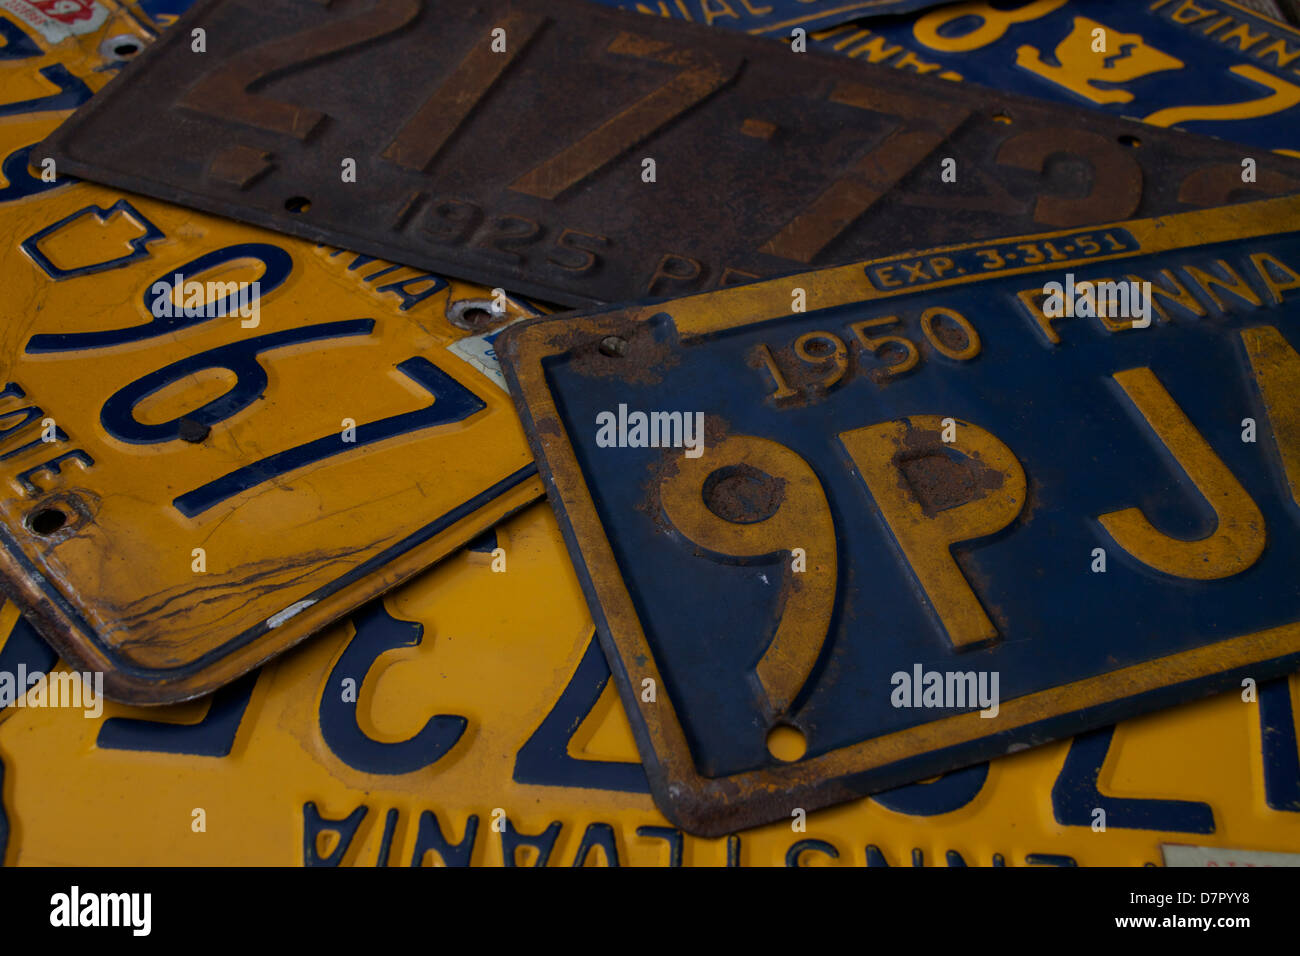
{"points": [[226, 91], [752, 501], [853, 193], [701, 76], [423, 136]]}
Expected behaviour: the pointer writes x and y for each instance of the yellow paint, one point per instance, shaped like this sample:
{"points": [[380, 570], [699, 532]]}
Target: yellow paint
{"points": [[804, 601], [1237, 541], [72, 802], [1078, 68], [1277, 374], [993, 25], [275, 544], [1281, 96], [925, 537], [750, 306]]}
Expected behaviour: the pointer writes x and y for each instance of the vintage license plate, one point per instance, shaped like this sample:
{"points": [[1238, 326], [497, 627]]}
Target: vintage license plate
{"points": [[214, 440], [773, 16], [850, 528], [715, 157], [1210, 66], [429, 756]]}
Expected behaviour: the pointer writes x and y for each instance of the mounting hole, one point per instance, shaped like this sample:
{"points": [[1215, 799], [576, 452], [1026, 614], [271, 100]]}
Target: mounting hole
{"points": [[297, 204], [121, 47], [786, 743], [473, 315], [1132, 142], [46, 521], [1003, 118]]}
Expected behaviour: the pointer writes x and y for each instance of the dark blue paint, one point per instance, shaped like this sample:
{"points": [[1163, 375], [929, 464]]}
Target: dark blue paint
{"points": [[51, 466], [429, 837], [1058, 624], [24, 646], [597, 835], [543, 843], [1075, 796], [669, 835], [797, 849], [485, 543], [313, 824], [72, 93], [453, 402], [1203, 80], [376, 632], [386, 844], [1050, 859], [240, 358], [213, 736], [544, 758], [950, 792], [1280, 753], [18, 46], [22, 183], [139, 250]]}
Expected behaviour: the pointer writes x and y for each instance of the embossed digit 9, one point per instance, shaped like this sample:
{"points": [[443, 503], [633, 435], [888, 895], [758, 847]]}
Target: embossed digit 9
{"points": [[750, 500]]}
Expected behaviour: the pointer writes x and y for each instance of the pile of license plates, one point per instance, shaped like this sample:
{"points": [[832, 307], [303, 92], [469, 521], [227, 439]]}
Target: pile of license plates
{"points": [[707, 432]]}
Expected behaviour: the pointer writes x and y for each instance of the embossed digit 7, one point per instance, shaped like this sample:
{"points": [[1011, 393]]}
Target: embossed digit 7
{"points": [[852, 194], [701, 76], [225, 92], [750, 501]]}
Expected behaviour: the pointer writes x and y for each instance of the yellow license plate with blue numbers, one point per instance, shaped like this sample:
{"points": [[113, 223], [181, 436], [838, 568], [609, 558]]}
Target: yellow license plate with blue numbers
{"points": [[386, 741], [215, 440], [859, 526]]}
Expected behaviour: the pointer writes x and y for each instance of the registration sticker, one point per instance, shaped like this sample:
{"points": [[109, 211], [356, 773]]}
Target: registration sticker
{"points": [[850, 528]]}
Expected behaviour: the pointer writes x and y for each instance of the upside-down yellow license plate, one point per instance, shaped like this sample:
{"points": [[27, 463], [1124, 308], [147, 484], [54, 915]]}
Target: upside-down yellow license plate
{"points": [[469, 718], [214, 440]]}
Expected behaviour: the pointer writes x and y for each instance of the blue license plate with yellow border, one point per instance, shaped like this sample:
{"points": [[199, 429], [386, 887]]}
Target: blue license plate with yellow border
{"points": [[429, 757], [854, 527]]}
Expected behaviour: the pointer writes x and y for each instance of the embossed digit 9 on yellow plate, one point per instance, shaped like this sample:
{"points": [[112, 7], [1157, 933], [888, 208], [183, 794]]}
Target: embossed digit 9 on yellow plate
{"points": [[215, 440]]}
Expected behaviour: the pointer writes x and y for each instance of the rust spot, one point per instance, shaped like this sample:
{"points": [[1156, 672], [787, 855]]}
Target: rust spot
{"points": [[743, 494], [939, 476], [638, 360]]}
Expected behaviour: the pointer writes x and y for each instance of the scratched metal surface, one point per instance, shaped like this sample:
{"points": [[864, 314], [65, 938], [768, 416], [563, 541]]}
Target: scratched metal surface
{"points": [[766, 161], [177, 565], [908, 470], [439, 759]]}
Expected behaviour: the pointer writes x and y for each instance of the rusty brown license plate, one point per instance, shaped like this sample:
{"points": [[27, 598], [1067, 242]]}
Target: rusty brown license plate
{"points": [[586, 155]]}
